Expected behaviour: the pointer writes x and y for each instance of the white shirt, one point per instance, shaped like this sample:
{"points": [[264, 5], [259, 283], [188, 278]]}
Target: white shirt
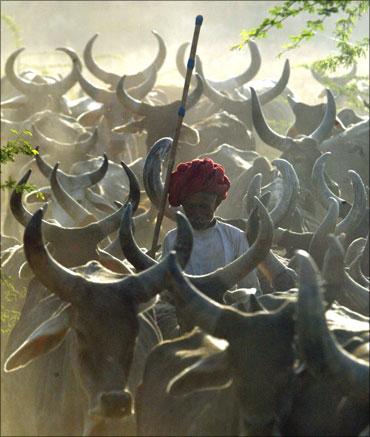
{"points": [[213, 248]]}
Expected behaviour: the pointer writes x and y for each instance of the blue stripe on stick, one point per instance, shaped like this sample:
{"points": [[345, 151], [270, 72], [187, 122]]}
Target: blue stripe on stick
{"points": [[190, 65], [199, 20], [181, 111]]}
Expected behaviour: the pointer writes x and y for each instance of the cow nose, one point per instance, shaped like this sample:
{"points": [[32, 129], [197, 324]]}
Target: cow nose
{"points": [[115, 403]]}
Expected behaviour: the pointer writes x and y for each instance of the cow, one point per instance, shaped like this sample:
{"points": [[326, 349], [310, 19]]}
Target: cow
{"points": [[158, 121], [41, 93], [85, 366], [248, 384]]}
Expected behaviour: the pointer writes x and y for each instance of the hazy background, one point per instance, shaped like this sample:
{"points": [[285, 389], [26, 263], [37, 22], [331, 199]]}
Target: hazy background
{"points": [[126, 45]]}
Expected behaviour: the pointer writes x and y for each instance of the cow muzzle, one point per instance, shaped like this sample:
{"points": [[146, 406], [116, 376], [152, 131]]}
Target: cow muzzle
{"points": [[114, 404]]}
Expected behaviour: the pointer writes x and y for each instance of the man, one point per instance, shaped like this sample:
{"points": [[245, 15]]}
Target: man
{"points": [[200, 186]]}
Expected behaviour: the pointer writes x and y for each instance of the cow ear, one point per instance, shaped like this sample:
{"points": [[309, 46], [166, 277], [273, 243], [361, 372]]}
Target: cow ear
{"points": [[211, 372], [42, 340], [90, 118], [14, 102], [130, 128], [189, 135], [145, 306]]}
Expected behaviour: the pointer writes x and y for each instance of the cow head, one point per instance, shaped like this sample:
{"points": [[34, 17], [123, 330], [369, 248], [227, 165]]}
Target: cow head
{"points": [[258, 359], [102, 316]]}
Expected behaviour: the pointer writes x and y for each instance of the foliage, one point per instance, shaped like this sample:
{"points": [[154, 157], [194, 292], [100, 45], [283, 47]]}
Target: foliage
{"points": [[14, 29], [347, 53], [11, 303], [14, 147], [354, 92]]}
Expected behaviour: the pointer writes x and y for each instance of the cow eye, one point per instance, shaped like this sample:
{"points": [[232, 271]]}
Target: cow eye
{"points": [[81, 335]]}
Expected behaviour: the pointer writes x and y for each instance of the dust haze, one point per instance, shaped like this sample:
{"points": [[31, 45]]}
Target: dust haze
{"points": [[125, 44]]}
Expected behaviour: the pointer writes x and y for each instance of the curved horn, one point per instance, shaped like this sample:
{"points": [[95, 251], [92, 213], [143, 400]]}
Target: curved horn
{"points": [[320, 185], [152, 169], [93, 67], [136, 79], [323, 131], [279, 87], [141, 90], [356, 296], [142, 261], [16, 206], [134, 195], [333, 270], [76, 211], [50, 273], [152, 174], [356, 213], [323, 356], [266, 134], [139, 259], [90, 234], [340, 81], [365, 258], [254, 189], [180, 56], [289, 198], [57, 89], [319, 240], [200, 310], [196, 94], [246, 76], [98, 94], [129, 102]]}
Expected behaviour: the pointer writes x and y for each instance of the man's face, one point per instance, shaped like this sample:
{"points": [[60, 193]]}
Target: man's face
{"points": [[200, 208]]}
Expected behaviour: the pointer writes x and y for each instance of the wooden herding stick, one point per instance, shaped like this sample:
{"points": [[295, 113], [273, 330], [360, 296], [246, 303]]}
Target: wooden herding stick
{"points": [[181, 114]]}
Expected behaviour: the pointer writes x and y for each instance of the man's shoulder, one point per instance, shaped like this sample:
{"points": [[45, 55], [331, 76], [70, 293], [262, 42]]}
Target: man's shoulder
{"points": [[230, 229]]}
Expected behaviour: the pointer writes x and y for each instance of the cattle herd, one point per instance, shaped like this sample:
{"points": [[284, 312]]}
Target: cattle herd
{"points": [[87, 355]]}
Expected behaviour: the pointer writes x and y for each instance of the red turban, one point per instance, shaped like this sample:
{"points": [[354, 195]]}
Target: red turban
{"points": [[195, 176]]}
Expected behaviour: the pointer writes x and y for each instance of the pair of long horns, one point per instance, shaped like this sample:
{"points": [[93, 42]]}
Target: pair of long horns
{"points": [[73, 182], [89, 235], [81, 147], [144, 109], [132, 80], [105, 96], [233, 82], [73, 287], [281, 142], [339, 80], [242, 107], [56, 89]]}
